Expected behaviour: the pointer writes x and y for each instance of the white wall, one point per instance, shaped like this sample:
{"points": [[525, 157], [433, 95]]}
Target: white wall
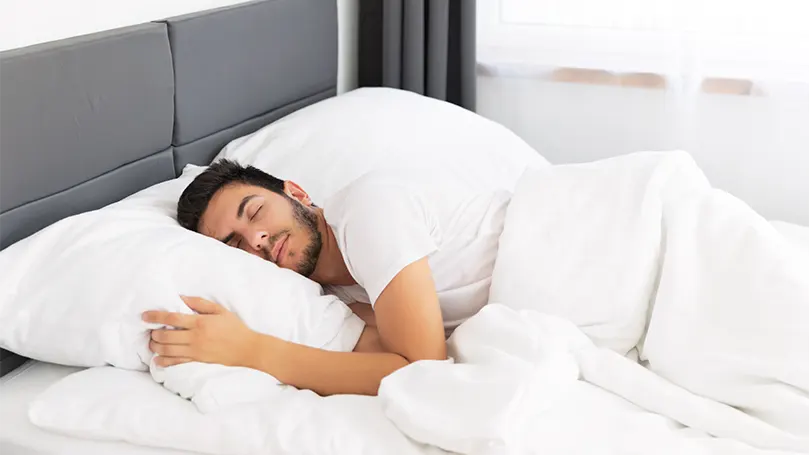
{"points": [[27, 22], [756, 148]]}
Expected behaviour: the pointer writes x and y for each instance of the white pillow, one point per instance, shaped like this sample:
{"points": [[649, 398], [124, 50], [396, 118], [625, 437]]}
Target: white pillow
{"points": [[327, 145], [74, 292]]}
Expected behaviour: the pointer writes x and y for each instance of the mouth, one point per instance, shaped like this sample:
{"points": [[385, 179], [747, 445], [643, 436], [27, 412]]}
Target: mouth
{"points": [[279, 249]]}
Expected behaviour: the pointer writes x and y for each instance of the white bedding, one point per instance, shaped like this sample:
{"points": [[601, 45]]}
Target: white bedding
{"points": [[517, 390], [642, 254], [725, 342], [448, 404], [116, 404], [18, 436], [797, 235]]}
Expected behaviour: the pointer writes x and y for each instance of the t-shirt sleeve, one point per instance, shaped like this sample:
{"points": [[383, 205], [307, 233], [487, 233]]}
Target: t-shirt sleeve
{"points": [[381, 229]]}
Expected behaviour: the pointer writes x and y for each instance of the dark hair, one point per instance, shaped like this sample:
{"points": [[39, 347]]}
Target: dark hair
{"points": [[198, 194]]}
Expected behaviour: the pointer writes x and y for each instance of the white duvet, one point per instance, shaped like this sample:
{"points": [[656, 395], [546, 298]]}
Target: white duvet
{"points": [[644, 257], [600, 264]]}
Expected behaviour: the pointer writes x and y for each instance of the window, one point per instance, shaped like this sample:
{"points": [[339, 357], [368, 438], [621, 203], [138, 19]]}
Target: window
{"points": [[721, 39]]}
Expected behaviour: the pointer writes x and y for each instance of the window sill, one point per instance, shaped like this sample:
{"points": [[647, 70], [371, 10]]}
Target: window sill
{"points": [[641, 80]]}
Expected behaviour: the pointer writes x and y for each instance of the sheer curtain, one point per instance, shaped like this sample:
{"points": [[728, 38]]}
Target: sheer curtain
{"points": [[727, 80]]}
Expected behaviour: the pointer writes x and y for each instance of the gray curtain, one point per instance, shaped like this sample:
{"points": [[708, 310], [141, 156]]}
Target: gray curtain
{"points": [[425, 46]]}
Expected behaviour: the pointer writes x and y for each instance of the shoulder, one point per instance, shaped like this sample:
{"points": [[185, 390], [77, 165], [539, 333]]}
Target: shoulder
{"points": [[381, 222]]}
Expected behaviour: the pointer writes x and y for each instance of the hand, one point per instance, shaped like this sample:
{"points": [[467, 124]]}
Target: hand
{"points": [[215, 335]]}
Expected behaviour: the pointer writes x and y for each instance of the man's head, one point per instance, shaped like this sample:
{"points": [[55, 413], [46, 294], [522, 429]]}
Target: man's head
{"points": [[249, 209]]}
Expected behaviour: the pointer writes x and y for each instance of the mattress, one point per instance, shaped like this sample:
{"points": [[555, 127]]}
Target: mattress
{"points": [[19, 437]]}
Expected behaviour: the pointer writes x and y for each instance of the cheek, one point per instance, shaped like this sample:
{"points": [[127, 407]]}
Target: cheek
{"points": [[299, 242], [278, 223], [294, 245]]}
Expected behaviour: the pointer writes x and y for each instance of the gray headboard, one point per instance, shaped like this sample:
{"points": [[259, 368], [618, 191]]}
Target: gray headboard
{"points": [[87, 121]]}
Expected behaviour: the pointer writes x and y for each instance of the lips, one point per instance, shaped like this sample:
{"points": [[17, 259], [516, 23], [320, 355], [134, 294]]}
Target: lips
{"points": [[278, 248]]}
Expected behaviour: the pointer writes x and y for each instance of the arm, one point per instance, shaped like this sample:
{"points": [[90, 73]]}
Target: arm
{"points": [[408, 315], [219, 336], [324, 372], [216, 335], [415, 291], [410, 329]]}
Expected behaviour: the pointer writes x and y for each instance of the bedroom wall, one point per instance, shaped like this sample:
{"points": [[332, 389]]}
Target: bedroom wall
{"points": [[27, 22], [755, 147]]}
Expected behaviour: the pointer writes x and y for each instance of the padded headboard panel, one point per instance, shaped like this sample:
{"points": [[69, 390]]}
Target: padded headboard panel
{"points": [[264, 60], [87, 121], [74, 110]]}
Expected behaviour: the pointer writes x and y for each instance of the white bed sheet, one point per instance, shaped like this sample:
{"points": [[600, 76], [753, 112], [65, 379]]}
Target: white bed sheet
{"points": [[18, 436]]}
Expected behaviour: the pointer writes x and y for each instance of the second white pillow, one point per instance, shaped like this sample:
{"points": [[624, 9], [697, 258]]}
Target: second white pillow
{"points": [[329, 144]]}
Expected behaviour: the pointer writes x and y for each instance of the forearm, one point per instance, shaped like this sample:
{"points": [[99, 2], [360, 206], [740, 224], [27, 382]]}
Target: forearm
{"points": [[324, 372]]}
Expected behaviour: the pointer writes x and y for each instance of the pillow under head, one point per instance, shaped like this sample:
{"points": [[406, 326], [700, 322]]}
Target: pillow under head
{"points": [[74, 292]]}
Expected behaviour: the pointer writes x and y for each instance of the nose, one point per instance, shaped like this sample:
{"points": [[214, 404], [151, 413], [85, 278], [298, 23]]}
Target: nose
{"points": [[258, 239]]}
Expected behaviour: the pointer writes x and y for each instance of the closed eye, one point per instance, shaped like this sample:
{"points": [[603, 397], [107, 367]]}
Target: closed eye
{"points": [[256, 213]]}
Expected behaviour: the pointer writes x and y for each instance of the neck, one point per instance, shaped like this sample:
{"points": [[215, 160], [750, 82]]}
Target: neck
{"points": [[331, 268]]}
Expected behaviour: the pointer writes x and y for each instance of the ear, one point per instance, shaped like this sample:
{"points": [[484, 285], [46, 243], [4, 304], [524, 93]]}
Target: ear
{"points": [[294, 191]]}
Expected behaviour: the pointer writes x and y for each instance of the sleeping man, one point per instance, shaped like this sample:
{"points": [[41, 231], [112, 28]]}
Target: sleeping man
{"points": [[414, 251]]}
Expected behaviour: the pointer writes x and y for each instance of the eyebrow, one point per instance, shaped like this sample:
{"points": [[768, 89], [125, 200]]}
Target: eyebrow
{"points": [[246, 199], [239, 214]]}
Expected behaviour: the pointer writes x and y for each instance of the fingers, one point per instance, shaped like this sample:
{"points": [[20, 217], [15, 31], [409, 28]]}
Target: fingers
{"points": [[167, 336], [170, 361], [170, 350], [179, 320], [171, 347], [202, 306]]}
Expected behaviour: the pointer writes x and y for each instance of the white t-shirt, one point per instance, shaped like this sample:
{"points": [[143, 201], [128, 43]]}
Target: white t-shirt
{"points": [[386, 220]]}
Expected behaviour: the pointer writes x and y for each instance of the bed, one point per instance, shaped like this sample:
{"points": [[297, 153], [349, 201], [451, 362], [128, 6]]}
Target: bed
{"points": [[20, 387], [89, 120]]}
